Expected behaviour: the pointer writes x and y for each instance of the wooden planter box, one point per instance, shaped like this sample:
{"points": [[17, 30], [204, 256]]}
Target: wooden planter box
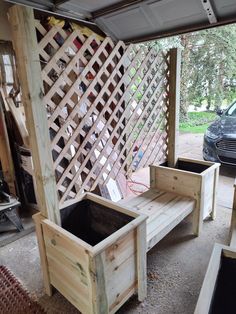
{"points": [[97, 259], [190, 177], [219, 290], [174, 194]]}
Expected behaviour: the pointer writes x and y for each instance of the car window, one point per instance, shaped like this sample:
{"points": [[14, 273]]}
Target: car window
{"points": [[232, 110]]}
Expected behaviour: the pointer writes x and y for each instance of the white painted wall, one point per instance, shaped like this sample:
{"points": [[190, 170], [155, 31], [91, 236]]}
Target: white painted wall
{"points": [[5, 33]]}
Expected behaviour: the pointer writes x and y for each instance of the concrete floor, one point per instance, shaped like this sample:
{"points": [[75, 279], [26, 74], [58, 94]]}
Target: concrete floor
{"points": [[176, 266]]}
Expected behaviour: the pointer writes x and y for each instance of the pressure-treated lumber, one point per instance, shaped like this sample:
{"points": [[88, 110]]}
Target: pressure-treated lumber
{"points": [[208, 302], [164, 210], [207, 295], [113, 112], [29, 71], [44, 264], [141, 261], [174, 103], [175, 193], [208, 287], [200, 184], [95, 277], [233, 221]]}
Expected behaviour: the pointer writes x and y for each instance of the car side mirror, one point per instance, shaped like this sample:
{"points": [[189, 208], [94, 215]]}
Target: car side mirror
{"points": [[219, 112]]}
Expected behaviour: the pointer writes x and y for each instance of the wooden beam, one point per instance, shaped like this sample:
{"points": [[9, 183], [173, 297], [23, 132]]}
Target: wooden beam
{"points": [[174, 102], [29, 71], [233, 221]]}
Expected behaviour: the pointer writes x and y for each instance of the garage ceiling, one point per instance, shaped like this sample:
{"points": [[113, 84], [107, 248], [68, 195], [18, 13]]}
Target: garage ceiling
{"points": [[139, 20]]}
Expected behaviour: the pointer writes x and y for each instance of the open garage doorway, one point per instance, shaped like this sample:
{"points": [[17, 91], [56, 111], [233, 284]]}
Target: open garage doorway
{"points": [[208, 89]]}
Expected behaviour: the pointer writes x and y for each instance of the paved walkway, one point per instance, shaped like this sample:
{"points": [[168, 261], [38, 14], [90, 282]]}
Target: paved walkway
{"points": [[190, 145]]}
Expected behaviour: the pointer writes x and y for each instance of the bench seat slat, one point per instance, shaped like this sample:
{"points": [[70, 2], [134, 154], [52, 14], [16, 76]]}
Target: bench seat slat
{"points": [[165, 210]]}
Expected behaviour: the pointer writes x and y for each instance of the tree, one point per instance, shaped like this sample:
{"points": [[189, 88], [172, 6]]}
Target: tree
{"points": [[212, 64], [208, 66]]}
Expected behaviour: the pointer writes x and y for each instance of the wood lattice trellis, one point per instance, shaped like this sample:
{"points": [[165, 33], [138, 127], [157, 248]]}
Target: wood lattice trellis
{"points": [[107, 106]]}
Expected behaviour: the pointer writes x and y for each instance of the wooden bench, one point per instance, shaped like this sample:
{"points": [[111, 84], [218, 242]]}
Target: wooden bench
{"points": [[165, 210], [174, 194]]}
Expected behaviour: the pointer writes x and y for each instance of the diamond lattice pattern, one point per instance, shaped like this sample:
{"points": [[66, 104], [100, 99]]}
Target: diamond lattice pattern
{"points": [[107, 107]]}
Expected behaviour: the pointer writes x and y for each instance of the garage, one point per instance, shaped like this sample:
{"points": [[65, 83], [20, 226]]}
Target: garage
{"points": [[84, 108]]}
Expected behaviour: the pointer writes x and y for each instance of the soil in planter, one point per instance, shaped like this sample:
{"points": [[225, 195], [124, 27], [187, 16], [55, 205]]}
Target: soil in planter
{"points": [[189, 166], [224, 298], [92, 222]]}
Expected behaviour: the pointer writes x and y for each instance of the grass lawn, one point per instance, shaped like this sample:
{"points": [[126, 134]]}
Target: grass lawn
{"points": [[197, 122]]}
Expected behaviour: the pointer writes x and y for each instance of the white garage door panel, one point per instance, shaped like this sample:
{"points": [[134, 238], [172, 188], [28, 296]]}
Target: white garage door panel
{"points": [[137, 20]]}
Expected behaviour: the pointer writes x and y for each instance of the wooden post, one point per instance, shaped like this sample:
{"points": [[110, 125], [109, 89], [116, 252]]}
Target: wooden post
{"points": [[142, 261], [29, 71], [42, 252], [233, 221], [199, 207], [174, 102], [216, 180]]}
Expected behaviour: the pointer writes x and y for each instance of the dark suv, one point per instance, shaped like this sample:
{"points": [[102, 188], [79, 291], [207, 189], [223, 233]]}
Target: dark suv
{"points": [[220, 138]]}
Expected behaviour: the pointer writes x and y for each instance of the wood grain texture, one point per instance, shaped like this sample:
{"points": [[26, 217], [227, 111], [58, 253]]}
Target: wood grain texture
{"points": [[201, 186], [38, 218], [107, 106], [216, 181], [119, 260], [207, 290], [28, 66], [209, 284], [164, 210], [95, 279], [174, 103], [142, 261], [174, 194], [233, 221], [68, 266]]}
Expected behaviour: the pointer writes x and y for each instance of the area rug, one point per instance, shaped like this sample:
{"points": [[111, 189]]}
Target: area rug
{"points": [[14, 298]]}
